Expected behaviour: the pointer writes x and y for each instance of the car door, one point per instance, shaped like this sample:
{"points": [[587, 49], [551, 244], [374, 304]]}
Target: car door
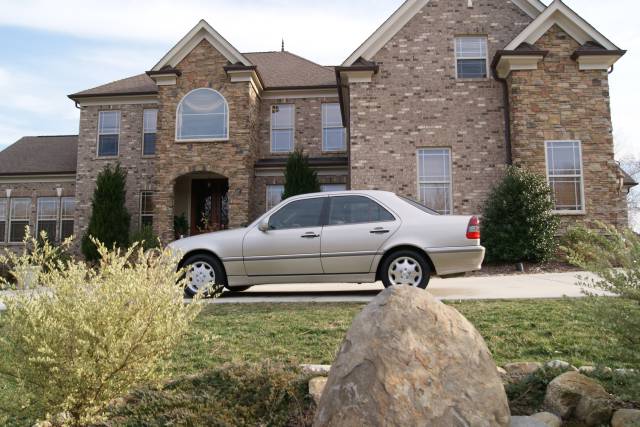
{"points": [[291, 244], [356, 228]]}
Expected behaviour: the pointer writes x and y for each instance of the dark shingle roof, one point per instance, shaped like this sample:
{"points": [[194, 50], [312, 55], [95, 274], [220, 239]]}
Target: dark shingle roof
{"points": [[40, 155], [137, 85]]}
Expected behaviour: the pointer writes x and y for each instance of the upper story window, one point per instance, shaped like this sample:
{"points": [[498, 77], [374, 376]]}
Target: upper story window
{"points": [[149, 125], [203, 115], [3, 220], [66, 217], [108, 133], [471, 57], [274, 195], [564, 172], [282, 128], [434, 179], [47, 217], [333, 133], [19, 218]]}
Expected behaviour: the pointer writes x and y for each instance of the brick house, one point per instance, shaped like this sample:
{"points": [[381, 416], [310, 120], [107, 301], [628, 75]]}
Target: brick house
{"points": [[433, 105]]}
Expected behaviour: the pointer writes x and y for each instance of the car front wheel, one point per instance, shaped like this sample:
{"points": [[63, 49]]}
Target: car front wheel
{"points": [[405, 267], [204, 272]]}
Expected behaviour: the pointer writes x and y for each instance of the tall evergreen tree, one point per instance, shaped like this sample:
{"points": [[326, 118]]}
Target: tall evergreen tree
{"points": [[110, 219], [299, 177]]}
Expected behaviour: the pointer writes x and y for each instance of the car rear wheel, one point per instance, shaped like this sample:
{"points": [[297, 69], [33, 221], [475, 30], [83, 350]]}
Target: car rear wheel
{"points": [[405, 267], [204, 272]]}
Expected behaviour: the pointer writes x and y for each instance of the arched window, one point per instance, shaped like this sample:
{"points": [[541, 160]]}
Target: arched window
{"points": [[203, 115]]}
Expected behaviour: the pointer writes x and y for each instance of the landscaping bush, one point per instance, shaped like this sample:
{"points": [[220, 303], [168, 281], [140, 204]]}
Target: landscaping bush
{"points": [[518, 224], [109, 222], [89, 335], [298, 176], [146, 238]]}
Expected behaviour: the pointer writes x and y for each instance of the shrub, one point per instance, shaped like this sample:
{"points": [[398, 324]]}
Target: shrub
{"points": [[518, 223], [298, 176], [109, 222], [146, 238], [180, 225], [89, 335]]}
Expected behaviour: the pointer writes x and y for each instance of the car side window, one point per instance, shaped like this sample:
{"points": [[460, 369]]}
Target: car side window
{"points": [[356, 210], [298, 214]]}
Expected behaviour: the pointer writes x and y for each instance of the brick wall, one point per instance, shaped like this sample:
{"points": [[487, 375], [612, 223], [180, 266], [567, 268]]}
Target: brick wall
{"points": [[560, 102]]}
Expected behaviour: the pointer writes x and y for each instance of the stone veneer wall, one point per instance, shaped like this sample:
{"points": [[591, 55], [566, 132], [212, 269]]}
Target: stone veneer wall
{"points": [[140, 169], [560, 102], [415, 101], [234, 159]]}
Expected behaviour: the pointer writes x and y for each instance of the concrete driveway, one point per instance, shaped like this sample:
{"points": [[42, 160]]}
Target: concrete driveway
{"points": [[521, 286]]}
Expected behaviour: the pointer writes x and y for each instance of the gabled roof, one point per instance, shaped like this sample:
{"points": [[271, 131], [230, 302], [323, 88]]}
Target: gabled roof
{"points": [[140, 84], [202, 31], [403, 15], [573, 24], [40, 155], [285, 70]]}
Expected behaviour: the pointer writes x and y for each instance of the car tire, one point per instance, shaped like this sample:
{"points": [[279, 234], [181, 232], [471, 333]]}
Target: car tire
{"points": [[205, 266], [405, 267]]}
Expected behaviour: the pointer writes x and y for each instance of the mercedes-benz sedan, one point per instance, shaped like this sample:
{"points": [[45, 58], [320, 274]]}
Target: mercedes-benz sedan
{"points": [[346, 236]]}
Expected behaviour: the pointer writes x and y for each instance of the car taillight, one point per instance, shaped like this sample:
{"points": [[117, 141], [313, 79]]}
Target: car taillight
{"points": [[473, 229]]}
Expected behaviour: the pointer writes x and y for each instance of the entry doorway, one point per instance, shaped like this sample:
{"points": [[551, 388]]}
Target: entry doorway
{"points": [[209, 205]]}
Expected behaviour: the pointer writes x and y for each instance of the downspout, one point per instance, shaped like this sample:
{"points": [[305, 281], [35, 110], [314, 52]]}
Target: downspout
{"points": [[507, 115]]}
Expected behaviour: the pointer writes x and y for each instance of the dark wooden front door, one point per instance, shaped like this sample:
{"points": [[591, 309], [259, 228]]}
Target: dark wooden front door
{"points": [[208, 205]]}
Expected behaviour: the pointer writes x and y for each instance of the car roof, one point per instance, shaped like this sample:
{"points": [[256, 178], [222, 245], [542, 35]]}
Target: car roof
{"points": [[374, 193]]}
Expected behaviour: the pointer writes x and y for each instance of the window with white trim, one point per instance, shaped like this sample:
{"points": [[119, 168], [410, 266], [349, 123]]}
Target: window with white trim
{"points": [[149, 125], [282, 128], [3, 220], [146, 209], [471, 57], [274, 195], [564, 173], [202, 115], [47, 217], [326, 188], [19, 214], [434, 179], [333, 132], [108, 133], [67, 217]]}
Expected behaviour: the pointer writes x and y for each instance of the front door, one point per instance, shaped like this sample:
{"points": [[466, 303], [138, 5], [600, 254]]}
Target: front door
{"points": [[208, 205], [291, 245]]}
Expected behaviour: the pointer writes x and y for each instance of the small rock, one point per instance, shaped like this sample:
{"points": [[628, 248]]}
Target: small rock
{"points": [[526, 422], [575, 395], [519, 370], [561, 365], [316, 387], [626, 418], [587, 369], [548, 418], [625, 371], [316, 369]]}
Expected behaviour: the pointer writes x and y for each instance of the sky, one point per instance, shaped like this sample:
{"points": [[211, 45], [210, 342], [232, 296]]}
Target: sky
{"points": [[49, 49]]}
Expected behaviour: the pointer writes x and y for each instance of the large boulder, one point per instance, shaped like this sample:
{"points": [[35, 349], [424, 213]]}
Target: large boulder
{"points": [[548, 418], [573, 395], [626, 418], [409, 360]]}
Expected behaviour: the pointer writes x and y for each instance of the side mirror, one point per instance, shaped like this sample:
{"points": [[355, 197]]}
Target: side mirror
{"points": [[263, 226]]}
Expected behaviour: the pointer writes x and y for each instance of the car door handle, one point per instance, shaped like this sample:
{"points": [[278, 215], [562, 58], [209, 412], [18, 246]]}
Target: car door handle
{"points": [[310, 235], [379, 230]]}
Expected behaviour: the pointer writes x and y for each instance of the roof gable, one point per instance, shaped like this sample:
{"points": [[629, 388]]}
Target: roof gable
{"points": [[403, 15], [573, 24], [202, 31]]}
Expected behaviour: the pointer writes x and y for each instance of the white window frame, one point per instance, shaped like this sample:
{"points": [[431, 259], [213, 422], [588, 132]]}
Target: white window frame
{"points": [[144, 132], [581, 211], [143, 194], [27, 220], [267, 193], [5, 201], [64, 217], [201, 139], [326, 188], [325, 126], [486, 56], [100, 133], [450, 181], [293, 128], [55, 218]]}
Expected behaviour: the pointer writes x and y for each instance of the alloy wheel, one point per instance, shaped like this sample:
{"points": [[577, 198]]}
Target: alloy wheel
{"points": [[405, 271]]}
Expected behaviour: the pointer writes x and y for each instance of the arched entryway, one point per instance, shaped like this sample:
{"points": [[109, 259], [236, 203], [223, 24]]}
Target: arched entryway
{"points": [[201, 203]]}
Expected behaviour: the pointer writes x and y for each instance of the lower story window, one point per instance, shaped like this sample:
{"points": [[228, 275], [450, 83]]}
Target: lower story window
{"points": [[18, 219], [47, 217], [325, 188], [434, 179], [3, 220], [66, 217], [274, 195], [564, 173], [146, 209]]}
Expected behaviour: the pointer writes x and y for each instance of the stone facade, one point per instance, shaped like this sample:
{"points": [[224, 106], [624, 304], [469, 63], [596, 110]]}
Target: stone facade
{"points": [[560, 102]]}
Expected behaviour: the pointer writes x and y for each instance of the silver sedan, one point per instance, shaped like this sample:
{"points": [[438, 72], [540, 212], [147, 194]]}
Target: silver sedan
{"points": [[346, 236]]}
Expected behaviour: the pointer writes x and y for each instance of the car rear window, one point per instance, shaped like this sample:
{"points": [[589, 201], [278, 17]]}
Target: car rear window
{"points": [[419, 205]]}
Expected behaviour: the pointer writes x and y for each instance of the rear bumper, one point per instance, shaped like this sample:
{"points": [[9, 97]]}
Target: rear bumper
{"points": [[453, 260]]}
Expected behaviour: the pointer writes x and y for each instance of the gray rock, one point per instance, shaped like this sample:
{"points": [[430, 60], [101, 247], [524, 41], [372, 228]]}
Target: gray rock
{"points": [[316, 387], [560, 364], [625, 371], [575, 396], [322, 370], [519, 370], [587, 369], [526, 422], [626, 418], [410, 360], [548, 419]]}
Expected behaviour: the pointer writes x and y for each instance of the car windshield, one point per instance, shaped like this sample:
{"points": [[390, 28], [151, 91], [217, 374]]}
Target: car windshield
{"points": [[418, 205]]}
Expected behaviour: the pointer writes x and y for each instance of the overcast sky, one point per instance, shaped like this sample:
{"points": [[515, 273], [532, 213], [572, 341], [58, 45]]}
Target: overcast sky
{"points": [[50, 49]]}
